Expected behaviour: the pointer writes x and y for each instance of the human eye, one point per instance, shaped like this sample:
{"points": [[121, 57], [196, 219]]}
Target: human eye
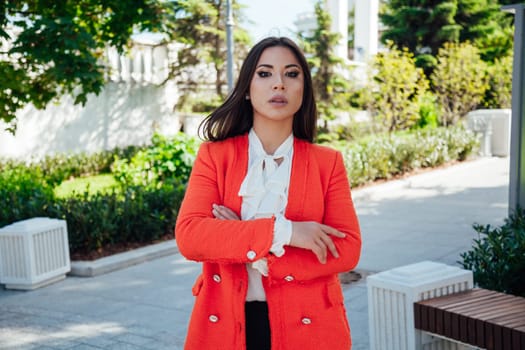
{"points": [[263, 74], [293, 74]]}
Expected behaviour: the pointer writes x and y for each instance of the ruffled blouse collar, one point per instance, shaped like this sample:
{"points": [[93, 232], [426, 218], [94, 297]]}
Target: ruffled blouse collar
{"points": [[264, 189]]}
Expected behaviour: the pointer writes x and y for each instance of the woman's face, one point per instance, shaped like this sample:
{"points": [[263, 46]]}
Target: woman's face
{"points": [[276, 89]]}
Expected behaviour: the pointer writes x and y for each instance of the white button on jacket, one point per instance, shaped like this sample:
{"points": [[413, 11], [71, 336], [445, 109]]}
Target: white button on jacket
{"points": [[251, 255]]}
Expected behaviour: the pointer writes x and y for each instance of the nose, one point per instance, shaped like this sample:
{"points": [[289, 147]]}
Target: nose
{"points": [[278, 83]]}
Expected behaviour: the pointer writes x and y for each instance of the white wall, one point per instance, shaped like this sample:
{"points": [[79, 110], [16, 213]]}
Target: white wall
{"points": [[123, 114], [131, 107]]}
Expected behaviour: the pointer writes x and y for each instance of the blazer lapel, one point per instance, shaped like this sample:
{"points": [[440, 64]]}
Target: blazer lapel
{"points": [[238, 171], [298, 177]]}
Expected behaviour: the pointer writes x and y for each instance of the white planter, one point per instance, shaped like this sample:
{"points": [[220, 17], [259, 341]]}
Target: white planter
{"points": [[33, 253], [493, 126], [391, 297]]}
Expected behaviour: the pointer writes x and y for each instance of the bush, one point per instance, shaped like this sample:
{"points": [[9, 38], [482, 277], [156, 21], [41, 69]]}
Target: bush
{"points": [[24, 193], [60, 167], [166, 160], [395, 90], [136, 215], [497, 257], [499, 93], [428, 112], [384, 156], [459, 81]]}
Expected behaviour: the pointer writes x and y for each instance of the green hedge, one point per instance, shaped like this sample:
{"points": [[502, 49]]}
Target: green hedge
{"points": [[128, 215], [24, 193], [385, 156], [143, 212], [59, 167], [136, 215]]}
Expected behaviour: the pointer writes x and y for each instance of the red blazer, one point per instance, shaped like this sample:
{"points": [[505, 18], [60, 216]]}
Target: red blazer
{"points": [[304, 297]]}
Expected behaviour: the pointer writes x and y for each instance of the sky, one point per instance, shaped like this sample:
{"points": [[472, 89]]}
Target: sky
{"points": [[273, 17]]}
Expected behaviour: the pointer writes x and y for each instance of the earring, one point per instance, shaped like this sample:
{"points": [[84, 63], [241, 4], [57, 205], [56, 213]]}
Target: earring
{"points": [[247, 97]]}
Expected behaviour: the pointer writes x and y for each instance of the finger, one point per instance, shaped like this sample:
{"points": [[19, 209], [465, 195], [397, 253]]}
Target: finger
{"points": [[225, 212], [320, 251], [228, 213], [330, 245], [332, 231], [217, 214]]}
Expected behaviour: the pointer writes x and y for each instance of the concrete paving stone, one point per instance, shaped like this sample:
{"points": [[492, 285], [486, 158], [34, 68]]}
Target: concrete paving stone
{"points": [[85, 347], [170, 338], [28, 347], [133, 339], [102, 342], [147, 332], [156, 345], [125, 346]]}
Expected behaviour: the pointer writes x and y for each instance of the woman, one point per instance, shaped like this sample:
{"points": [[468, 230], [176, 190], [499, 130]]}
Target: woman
{"points": [[270, 215]]}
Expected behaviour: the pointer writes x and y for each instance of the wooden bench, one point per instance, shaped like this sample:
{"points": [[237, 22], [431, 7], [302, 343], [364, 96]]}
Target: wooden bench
{"points": [[478, 317]]}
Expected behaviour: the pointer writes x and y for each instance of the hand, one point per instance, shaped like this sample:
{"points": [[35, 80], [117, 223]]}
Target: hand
{"points": [[315, 237], [224, 213]]}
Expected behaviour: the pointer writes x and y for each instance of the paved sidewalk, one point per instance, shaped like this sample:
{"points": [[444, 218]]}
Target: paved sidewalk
{"points": [[146, 306]]}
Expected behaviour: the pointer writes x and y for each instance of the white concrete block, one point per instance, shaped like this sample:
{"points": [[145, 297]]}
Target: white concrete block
{"points": [[33, 253], [391, 297]]}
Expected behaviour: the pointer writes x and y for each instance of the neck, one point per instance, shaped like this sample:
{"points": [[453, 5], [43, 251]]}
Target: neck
{"points": [[272, 137]]}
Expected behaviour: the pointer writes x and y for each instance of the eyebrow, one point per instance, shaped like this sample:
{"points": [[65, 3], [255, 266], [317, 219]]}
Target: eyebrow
{"points": [[270, 66]]}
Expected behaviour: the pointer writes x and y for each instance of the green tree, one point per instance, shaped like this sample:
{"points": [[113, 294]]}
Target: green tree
{"points": [[201, 29], [51, 48], [327, 69], [424, 26], [395, 90], [459, 81]]}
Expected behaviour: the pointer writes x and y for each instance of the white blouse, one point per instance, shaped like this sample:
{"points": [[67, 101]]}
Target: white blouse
{"points": [[264, 193]]}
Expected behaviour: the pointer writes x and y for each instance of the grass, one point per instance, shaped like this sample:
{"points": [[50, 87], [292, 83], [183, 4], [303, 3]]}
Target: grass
{"points": [[91, 184]]}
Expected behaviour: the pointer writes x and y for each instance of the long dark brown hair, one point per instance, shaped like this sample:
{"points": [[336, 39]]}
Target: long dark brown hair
{"points": [[235, 116]]}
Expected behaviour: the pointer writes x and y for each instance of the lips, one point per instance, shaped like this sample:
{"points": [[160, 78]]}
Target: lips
{"points": [[278, 100]]}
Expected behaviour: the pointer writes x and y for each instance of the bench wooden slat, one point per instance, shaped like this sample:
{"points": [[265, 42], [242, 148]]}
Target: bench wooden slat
{"points": [[479, 317]]}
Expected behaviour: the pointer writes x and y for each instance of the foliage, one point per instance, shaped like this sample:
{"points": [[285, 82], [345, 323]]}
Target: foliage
{"points": [[486, 26], [459, 81], [383, 156], [124, 214], [499, 93], [24, 192], [90, 184], [59, 167], [200, 27], [428, 111], [329, 85], [497, 257], [351, 29], [165, 161], [424, 26], [135, 215], [55, 48], [395, 90]]}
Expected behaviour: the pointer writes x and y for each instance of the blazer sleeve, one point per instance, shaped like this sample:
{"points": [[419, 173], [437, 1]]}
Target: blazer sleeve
{"points": [[339, 213], [199, 235]]}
